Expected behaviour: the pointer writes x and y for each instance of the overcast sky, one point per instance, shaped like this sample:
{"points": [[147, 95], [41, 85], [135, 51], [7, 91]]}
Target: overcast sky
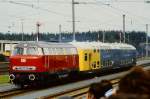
{"points": [[90, 15]]}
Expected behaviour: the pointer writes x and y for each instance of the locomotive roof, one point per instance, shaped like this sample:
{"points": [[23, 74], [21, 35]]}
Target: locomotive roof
{"points": [[82, 45], [43, 44]]}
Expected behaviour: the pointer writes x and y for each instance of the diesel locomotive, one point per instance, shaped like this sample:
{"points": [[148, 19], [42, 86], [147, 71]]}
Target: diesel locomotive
{"points": [[33, 62]]}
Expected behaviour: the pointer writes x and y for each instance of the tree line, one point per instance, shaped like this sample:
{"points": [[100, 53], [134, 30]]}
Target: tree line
{"points": [[133, 37]]}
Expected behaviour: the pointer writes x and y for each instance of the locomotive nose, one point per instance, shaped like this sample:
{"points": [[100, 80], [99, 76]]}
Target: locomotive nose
{"points": [[11, 76], [32, 77]]}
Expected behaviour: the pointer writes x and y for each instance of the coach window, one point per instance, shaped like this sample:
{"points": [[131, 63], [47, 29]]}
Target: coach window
{"points": [[94, 50], [97, 50], [85, 57], [98, 63]]}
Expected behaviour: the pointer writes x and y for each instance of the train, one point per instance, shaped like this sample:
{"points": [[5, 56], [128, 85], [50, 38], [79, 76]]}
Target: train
{"points": [[33, 62]]}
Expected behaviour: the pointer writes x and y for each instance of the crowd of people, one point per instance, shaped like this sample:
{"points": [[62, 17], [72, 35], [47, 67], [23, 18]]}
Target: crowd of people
{"points": [[134, 85]]}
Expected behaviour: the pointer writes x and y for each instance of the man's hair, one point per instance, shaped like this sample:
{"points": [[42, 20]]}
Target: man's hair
{"points": [[99, 89], [137, 82]]}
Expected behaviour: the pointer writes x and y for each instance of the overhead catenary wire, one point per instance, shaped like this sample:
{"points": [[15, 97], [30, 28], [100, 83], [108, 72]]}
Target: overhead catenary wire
{"points": [[116, 12], [121, 10], [38, 7]]}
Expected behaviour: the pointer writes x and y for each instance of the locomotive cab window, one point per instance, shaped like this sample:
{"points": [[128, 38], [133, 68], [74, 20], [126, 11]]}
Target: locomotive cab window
{"points": [[18, 51]]}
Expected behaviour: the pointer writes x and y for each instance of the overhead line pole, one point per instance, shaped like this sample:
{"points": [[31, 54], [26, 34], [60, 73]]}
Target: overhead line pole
{"points": [[59, 32], [37, 35], [103, 36], [22, 29], [146, 40], [73, 20], [124, 36]]}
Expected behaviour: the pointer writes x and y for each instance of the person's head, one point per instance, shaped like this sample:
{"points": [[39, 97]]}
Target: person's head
{"points": [[137, 81], [98, 90]]}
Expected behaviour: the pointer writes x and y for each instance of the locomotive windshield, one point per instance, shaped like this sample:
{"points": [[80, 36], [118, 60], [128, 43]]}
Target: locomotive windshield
{"points": [[18, 51]]}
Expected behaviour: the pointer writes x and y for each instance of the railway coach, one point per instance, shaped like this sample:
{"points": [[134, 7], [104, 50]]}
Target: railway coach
{"points": [[33, 62]]}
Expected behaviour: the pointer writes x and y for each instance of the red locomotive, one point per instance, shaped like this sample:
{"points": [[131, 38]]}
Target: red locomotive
{"points": [[34, 61]]}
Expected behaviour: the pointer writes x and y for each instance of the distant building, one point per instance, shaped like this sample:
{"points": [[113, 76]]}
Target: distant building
{"points": [[6, 46]]}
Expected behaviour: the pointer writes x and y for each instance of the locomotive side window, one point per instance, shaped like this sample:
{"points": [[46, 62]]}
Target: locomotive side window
{"points": [[32, 51], [94, 50], [51, 51], [40, 51], [46, 51], [68, 51], [73, 51], [59, 51], [18, 51]]}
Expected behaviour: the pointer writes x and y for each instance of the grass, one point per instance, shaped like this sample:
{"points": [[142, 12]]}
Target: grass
{"points": [[4, 79]]}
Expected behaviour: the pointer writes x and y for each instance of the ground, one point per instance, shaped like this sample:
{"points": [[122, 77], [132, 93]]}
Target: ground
{"points": [[4, 79]]}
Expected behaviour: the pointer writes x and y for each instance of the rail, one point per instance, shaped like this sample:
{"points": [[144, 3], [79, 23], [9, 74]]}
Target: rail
{"points": [[78, 93]]}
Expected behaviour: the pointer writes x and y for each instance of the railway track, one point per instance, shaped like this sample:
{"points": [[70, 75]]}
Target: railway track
{"points": [[76, 92], [13, 92]]}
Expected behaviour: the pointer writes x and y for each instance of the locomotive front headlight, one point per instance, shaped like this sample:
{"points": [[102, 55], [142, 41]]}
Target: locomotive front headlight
{"points": [[11, 76]]}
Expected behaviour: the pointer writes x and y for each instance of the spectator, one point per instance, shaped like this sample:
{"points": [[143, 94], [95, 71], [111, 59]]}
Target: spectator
{"points": [[136, 82], [129, 96], [98, 90]]}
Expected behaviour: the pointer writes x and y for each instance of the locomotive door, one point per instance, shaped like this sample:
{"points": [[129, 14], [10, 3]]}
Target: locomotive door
{"points": [[49, 59]]}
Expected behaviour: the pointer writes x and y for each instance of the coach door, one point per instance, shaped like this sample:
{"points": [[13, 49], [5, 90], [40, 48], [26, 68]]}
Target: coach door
{"points": [[87, 59]]}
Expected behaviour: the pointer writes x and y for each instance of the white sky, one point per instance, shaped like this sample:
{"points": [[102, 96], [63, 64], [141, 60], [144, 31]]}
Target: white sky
{"points": [[90, 15]]}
